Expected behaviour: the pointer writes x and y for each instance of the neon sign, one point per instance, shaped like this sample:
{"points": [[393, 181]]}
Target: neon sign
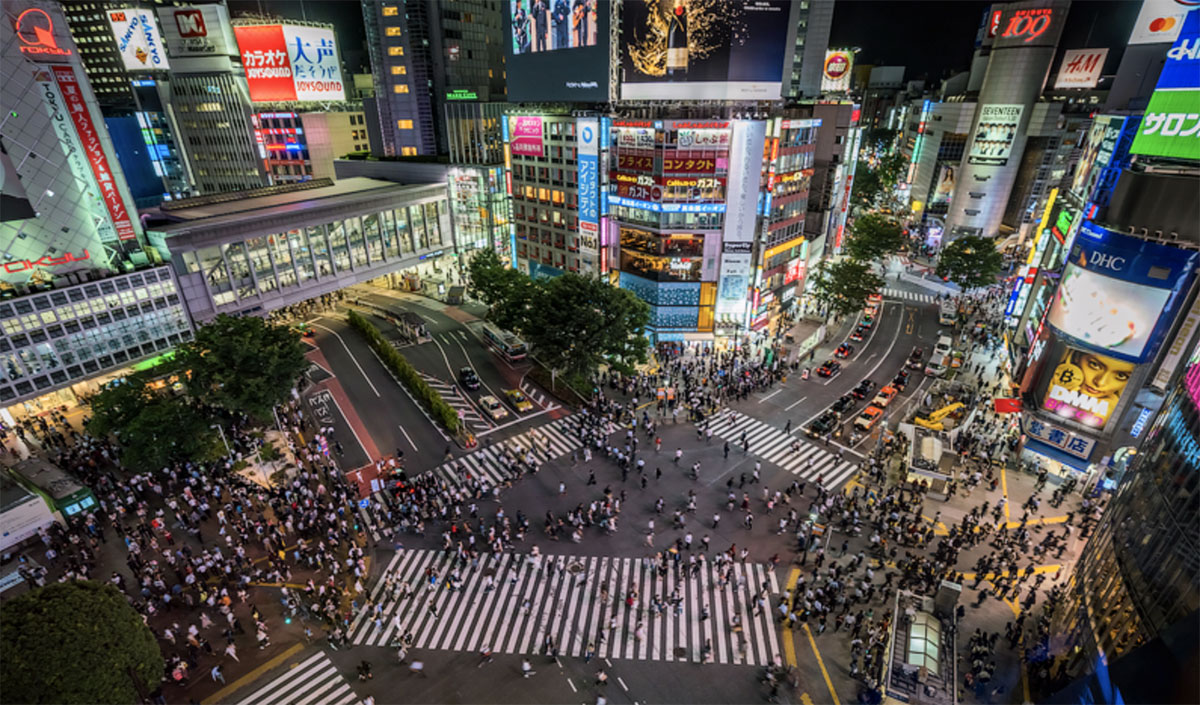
{"points": [[1030, 24], [35, 29], [44, 261]]}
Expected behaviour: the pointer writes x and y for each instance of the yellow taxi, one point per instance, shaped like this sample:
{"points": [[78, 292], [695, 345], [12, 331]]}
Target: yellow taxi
{"points": [[518, 400]]}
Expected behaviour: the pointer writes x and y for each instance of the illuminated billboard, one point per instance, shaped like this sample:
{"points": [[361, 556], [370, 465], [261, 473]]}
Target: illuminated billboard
{"points": [[1171, 125], [138, 40], [944, 190], [557, 50], [835, 74], [290, 63], [994, 135], [526, 136], [1159, 21], [1081, 68], [1114, 292], [198, 38], [1099, 146], [1085, 387], [703, 49]]}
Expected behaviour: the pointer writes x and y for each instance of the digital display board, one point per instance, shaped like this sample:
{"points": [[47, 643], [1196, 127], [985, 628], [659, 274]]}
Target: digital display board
{"points": [[1086, 386], [556, 50], [138, 40], [704, 49], [1171, 125], [290, 63]]}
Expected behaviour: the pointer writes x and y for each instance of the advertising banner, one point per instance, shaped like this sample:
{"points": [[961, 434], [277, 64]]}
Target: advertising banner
{"points": [[1171, 125], [1030, 24], [198, 38], [628, 162], [945, 186], [526, 137], [1159, 21], [1098, 148], [557, 50], [288, 62], [734, 284], [745, 159], [1081, 68], [1085, 386], [995, 133], [703, 49], [680, 165], [835, 76], [138, 40], [1107, 313], [587, 131], [1061, 438], [93, 149]]}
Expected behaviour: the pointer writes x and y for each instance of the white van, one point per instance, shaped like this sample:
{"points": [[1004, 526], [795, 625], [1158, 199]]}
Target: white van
{"points": [[942, 348], [937, 365]]}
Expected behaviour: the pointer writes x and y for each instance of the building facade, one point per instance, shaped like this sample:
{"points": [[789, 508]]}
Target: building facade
{"points": [[301, 146], [808, 39]]}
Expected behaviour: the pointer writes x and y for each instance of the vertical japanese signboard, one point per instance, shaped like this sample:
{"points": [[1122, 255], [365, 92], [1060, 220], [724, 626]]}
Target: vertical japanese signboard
{"points": [[587, 131], [93, 150]]}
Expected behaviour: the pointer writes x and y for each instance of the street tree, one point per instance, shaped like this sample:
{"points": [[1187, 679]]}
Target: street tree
{"points": [[867, 186], [970, 261], [873, 236], [578, 322], [844, 285], [76, 642], [243, 365], [155, 427], [506, 292]]}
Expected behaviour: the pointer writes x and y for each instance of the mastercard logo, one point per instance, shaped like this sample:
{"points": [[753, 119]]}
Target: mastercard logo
{"points": [[1162, 24]]}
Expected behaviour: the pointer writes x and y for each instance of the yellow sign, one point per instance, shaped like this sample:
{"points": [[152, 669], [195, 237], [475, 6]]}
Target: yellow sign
{"points": [[782, 247]]}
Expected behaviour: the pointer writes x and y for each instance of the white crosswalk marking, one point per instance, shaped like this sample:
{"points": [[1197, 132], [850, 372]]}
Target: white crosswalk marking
{"points": [[566, 605], [452, 396], [311, 682], [774, 446], [909, 295]]}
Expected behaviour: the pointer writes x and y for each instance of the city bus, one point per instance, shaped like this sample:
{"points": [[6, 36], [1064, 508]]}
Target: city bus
{"points": [[61, 492], [507, 344], [948, 313]]}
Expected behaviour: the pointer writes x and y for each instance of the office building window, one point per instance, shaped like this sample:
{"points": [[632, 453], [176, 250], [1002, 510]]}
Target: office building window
{"points": [[395, 51], [400, 88], [404, 124], [391, 11], [408, 151], [393, 32], [399, 70]]}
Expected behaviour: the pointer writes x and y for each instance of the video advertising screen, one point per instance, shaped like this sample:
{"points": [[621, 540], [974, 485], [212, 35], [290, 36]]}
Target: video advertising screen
{"points": [[557, 50], [703, 49], [1086, 386], [1106, 313]]}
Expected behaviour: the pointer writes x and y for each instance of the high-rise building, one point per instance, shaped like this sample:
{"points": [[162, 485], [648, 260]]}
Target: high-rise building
{"points": [[426, 55], [838, 138], [303, 145], [809, 39]]}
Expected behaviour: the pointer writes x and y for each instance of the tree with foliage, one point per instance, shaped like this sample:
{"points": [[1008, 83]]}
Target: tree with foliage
{"points": [[156, 427], [844, 285], [867, 186], [970, 261], [872, 236], [880, 138], [242, 365], [890, 169], [76, 642], [578, 322], [506, 292]]}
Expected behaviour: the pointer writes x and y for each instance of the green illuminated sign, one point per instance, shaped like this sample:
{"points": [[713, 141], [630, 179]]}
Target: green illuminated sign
{"points": [[1169, 127], [462, 94]]}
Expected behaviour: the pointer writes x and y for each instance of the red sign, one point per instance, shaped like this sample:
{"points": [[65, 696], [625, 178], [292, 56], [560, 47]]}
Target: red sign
{"points": [[795, 271], [836, 66], [673, 165], [35, 29], [994, 23], [268, 68], [626, 161], [1006, 406], [633, 123], [190, 23], [687, 125], [1029, 24], [44, 261], [68, 84]]}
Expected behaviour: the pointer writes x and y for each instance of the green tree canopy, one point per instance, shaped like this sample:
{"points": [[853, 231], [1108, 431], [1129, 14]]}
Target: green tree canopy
{"points": [[577, 322], [867, 186], [970, 261], [242, 365], [844, 285], [155, 427], [874, 235], [76, 642], [506, 292]]}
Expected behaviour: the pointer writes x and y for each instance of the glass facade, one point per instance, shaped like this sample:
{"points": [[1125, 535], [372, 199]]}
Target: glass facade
{"points": [[1140, 573], [54, 338]]}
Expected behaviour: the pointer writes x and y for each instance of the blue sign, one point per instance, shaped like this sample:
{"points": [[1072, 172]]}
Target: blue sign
{"points": [[667, 207], [1140, 424], [1182, 70], [364, 502], [589, 176], [1130, 259]]}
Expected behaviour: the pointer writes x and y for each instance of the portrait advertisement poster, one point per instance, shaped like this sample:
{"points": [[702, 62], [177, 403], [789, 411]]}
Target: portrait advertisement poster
{"points": [[994, 135], [1085, 386]]}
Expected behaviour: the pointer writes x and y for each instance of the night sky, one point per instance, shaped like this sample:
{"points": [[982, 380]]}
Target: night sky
{"points": [[931, 38]]}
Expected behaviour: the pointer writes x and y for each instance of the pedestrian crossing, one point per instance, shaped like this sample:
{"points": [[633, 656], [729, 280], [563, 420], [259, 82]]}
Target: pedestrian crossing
{"points": [[773, 445], [513, 602], [909, 295], [314, 681], [466, 408]]}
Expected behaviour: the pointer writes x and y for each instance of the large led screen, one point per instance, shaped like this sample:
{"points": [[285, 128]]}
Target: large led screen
{"points": [[1085, 386], [1106, 313], [703, 49], [557, 50]]}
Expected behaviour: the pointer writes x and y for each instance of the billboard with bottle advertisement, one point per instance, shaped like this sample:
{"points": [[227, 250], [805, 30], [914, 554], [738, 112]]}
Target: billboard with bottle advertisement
{"points": [[1118, 293], [704, 49], [557, 50], [286, 62]]}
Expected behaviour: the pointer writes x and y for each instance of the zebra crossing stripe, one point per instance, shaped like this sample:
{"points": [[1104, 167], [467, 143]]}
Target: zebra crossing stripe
{"points": [[315, 680], [566, 607], [772, 445]]}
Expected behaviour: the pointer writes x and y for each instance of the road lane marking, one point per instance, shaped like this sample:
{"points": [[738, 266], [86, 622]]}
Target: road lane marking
{"points": [[352, 358], [408, 438], [770, 395], [821, 661], [795, 403]]}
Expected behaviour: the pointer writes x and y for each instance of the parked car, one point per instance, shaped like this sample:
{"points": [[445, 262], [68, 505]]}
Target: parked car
{"points": [[468, 378], [518, 400], [492, 407], [823, 425], [844, 350], [830, 369], [916, 358], [868, 418], [863, 389], [843, 406]]}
